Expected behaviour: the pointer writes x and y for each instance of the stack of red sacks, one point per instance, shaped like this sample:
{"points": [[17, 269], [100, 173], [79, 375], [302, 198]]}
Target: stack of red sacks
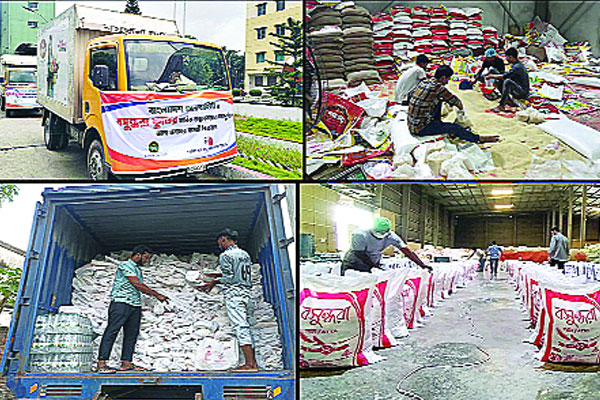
{"points": [[422, 34], [403, 21], [457, 20], [383, 47], [474, 32], [439, 30], [490, 37]]}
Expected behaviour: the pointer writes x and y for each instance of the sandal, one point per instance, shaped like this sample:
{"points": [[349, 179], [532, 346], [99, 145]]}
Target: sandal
{"points": [[132, 368], [244, 368], [105, 369]]}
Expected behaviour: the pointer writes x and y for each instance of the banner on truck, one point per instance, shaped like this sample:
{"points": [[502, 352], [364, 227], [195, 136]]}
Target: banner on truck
{"points": [[148, 132], [21, 97]]}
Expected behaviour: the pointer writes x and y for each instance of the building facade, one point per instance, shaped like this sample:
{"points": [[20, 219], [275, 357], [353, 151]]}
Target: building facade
{"points": [[264, 17], [18, 25], [11, 256]]}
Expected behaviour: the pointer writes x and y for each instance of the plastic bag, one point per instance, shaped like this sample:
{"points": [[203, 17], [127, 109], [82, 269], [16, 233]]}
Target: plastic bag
{"points": [[455, 168], [541, 168], [217, 355], [374, 107], [463, 119], [374, 132], [477, 159]]}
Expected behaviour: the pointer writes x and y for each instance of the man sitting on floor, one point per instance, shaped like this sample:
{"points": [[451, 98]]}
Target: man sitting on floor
{"points": [[514, 83], [410, 78], [492, 64], [425, 109]]}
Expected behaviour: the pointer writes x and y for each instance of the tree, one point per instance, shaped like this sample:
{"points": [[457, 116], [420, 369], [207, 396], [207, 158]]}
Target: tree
{"points": [[132, 7], [9, 284], [8, 193], [287, 87], [236, 61]]}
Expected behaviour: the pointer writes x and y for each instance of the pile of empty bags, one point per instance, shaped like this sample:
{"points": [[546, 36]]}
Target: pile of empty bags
{"points": [[189, 332]]}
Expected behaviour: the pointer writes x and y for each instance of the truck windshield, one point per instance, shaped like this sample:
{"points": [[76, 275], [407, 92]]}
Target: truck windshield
{"points": [[25, 76], [174, 66]]}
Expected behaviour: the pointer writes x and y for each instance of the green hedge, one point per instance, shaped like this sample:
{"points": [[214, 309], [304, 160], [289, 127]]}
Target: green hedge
{"points": [[286, 130], [255, 92]]}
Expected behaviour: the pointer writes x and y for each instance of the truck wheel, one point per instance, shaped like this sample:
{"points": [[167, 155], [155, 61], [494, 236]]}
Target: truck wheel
{"points": [[9, 113], [3, 106], [96, 166], [53, 142]]}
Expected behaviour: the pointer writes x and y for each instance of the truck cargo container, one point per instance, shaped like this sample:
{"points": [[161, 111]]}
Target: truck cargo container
{"points": [[138, 98], [74, 224]]}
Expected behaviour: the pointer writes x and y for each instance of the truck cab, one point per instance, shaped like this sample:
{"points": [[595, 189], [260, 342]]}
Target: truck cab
{"points": [[142, 105]]}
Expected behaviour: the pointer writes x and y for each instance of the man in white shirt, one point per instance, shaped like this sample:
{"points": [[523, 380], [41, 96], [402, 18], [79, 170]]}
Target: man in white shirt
{"points": [[409, 80], [559, 249]]}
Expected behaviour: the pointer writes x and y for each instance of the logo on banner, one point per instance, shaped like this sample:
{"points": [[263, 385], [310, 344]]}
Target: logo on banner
{"points": [[208, 141], [153, 147]]}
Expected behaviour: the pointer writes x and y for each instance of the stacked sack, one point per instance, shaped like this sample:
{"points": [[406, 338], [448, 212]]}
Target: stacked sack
{"points": [[384, 45], [457, 20], [439, 30], [490, 37], [325, 36], [474, 33], [402, 31], [358, 45], [191, 331], [422, 34]]}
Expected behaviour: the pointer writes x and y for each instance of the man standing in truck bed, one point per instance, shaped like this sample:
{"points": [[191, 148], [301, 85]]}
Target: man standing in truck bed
{"points": [[125, 310], [235, 277]]}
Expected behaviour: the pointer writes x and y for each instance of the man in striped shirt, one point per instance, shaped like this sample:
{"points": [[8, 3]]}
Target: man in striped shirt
{"points": [[425, 109]]}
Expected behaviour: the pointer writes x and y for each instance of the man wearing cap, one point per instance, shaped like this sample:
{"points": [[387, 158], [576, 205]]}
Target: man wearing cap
{"points": [[410, 78], [492, 64], [368, 244]]}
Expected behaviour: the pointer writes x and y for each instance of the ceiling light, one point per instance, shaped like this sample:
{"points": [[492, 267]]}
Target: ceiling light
{"points": [[502, 192], [503, 206]]}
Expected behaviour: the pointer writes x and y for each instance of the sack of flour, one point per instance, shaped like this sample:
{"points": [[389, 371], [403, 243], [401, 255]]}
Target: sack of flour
{"points": [[335, 330], [573, 328], [217, 355], [394, 303], [410, 294]]}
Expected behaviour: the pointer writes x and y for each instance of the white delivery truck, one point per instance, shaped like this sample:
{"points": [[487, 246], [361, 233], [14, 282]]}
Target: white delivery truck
{"points": [[141, 100], [18, 83]]}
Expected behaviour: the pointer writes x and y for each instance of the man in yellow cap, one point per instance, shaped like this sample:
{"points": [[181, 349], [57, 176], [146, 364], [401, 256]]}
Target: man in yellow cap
{"points": [[368, 244]]}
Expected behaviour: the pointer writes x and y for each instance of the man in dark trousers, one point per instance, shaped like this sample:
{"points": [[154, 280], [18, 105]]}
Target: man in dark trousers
{"points": [[514, 83], [558, 253], [494, 252], [236, 279], [492, 64], [125, 310], [425, 109], [368, 244]]}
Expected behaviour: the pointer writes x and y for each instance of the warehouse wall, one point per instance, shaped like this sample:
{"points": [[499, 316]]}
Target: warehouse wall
{"points": [[584, 25], [493, 13], [521, 230], [317, 204], [592, 230], [316, 215]]}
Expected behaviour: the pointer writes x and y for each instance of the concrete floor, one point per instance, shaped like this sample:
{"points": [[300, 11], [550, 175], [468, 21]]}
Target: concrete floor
{"points": [[482, 326]]}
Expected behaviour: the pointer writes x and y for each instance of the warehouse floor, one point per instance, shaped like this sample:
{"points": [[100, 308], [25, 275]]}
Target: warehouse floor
{"points": [[480, 320]]}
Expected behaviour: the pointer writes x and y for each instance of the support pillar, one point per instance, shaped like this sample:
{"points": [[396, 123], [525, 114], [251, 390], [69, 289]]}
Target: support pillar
{"points": [[570, 217], [583, 217]]}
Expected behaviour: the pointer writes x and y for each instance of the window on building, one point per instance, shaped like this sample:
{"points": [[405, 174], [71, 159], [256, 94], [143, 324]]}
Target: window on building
{"points": [[32, 24], [258, 81], [33, 5], [261, 9], [280, 29], [271, 80], [260, 57], [279, 56], [261, 33], [280, 5]]}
